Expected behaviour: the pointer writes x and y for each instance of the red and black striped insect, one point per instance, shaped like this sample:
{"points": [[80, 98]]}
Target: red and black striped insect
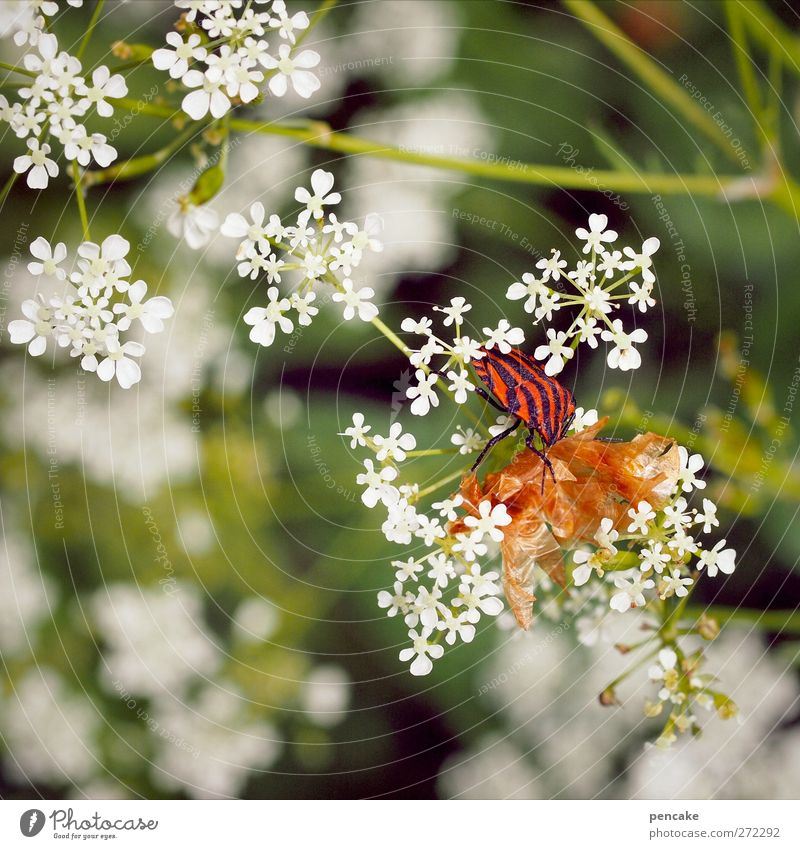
{"points": [[521, 389]]}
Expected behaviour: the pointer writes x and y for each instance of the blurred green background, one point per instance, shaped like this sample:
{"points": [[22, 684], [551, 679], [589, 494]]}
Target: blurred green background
{"points": [[204, 623]]}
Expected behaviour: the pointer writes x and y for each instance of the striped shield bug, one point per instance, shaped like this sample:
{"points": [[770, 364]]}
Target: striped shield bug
{"points": [[521, 389]]}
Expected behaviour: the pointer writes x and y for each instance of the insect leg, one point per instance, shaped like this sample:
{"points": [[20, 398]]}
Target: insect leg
{"points": [[493, 441], [487, 397], [547, 464]]}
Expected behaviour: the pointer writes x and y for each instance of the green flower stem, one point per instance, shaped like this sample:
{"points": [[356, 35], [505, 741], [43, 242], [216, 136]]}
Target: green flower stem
{"points": [[9, 184], [649, 72], [769, 31], [438, 484], [17, 69], [745, 67], [431, 452], [777, 621], [318, 134], [76, 176], [136, 167], [320, 13], [90, 29]]}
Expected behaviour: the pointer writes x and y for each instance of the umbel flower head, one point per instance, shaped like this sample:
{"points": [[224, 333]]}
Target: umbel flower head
{"points": [[594, 481]]}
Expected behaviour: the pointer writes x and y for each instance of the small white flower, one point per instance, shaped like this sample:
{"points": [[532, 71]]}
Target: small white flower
{"points": [[421, 327], [456, 626], [151, 313], [583, 419], [356, 302], [423, 394], [643, 259], [194, 224], [583, 274], [610, 261], [475, 603], [551, 267], [40, 168], [469, 547], [708, 518], [641, 295], [294, 70], [79, 145], [682, 543], [587, 562], [48, 258], [675, 515], [588, 330], [548, 304], [504, 336], [447, 507], [654, 557], [631, 593], [641, 517], [606, 536], [104, 85], [460, 385], [598, 300], [176, 61], [35, 329], [376, 483], [208, 96], [596, 234], [442, 570], [357, 431], [118, 362], [674, 584], [254, 232], [530, 288], [488, 521], [501, 423], [287, 25], [555, 352], [717, 558], [264, 319], [407, 569], [400, 602], [623, 355], [467, 440], [301, 304], [466, 349], [455, 312], [321, 185], [690, 466], [395, 445], [422, 652]]}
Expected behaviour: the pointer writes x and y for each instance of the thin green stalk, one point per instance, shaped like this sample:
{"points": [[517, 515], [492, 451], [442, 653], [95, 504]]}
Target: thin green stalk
{"points": [[17, 69], [744, 66], [648, 71], [319, 135], [777, 621], [90, 29], [136, 167], [13, 177], [76, 176], [440, 483], [315, 19], [769, 31]]}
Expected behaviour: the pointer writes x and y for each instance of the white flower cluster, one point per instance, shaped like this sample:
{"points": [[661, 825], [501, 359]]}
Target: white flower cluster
{"points": [[26, 19], [666, 541], [83, 318], [597, 281], [458, 353], [52, 105], [442, 592], [314, 249], [223, 57]]}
